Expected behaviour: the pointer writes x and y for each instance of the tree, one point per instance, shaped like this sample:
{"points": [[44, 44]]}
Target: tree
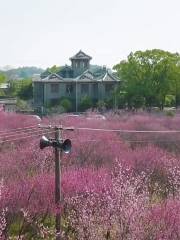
{"points": [[148, 76], [175, 86], [2, 80], [54, 69], [21, 88]]}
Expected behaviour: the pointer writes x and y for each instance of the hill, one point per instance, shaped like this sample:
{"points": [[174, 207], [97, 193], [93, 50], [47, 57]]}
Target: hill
{"points": [[22, 72]]}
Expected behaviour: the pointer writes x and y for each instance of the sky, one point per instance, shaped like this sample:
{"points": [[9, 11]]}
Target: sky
{"points": [[44, 33]]}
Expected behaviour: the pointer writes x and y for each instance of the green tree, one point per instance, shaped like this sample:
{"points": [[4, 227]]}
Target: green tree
{"points": [[175, 84], [54, 69], [148, 77], [3, 79], [22, 89]]}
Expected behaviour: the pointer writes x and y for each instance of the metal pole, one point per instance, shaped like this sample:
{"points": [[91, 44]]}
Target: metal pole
{"points": [[58, 154]]}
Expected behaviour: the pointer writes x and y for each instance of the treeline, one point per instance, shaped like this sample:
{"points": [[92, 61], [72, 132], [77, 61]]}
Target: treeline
{"points": [[21, 72], [149, 78]]}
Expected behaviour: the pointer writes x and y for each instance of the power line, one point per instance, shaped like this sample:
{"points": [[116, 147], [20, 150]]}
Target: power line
{"points": [[128, 131], [96, 129], [18, 129], [21, 133], [151, 141], [125, 140], [27, 136], [98, 140]]}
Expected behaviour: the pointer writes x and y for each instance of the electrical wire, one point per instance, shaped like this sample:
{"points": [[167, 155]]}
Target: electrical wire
{"points": [[42, 132], [27, 136], [124, 140], [21, 133], [18, 129], [128, 131]]}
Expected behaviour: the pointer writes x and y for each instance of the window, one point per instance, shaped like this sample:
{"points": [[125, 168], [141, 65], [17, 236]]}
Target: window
{"points": [[85, 64], [54, 87], [69, 89], [95, 89], [108, 87], [84, 88]]}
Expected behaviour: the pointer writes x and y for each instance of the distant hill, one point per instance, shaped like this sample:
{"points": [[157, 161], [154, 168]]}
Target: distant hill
{"points": [[22, 72], [6, 68]]}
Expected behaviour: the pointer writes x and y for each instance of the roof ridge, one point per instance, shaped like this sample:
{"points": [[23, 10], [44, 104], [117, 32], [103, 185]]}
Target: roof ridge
{"points": [[76, 56], [56, 74]]}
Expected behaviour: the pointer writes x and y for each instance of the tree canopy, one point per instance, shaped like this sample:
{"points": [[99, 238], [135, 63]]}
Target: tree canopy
{"points": [[2, 78], [54, 69], [148, 77], [22, 89]]}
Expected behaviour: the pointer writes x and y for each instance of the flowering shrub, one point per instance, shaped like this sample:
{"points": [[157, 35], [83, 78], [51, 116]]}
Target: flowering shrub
{"points": [[162, 221], [2, 214], [109, 214], [115, 185]]}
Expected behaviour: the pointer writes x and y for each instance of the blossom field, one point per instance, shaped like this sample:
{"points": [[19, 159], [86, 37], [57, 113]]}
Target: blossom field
{"points": [[117, 185]]}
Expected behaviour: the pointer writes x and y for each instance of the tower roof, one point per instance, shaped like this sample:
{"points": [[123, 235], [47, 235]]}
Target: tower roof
{"points": [[81, 55]]}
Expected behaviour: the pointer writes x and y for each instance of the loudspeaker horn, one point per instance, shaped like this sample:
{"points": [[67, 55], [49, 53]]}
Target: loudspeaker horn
{"points": [[66, 146], [44, 142]]}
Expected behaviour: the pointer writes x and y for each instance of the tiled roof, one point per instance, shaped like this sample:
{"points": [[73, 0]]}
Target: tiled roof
{"points": [[45, 74], [109, 77], [87, 74], [81, 55]]}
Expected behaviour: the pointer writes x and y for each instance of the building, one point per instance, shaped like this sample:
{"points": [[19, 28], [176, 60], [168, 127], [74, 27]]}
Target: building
{"points": [[74, 82]]}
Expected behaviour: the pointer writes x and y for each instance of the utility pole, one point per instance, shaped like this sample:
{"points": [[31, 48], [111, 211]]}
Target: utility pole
{"points": [[76, 97], [59, 146], [58, 154]]}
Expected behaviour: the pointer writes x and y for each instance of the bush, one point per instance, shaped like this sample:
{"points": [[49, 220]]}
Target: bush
{"points": [[101, 105], [85, 103], [170, 113], [23, 105], [56, 109], [66, 104], [169, 100]]}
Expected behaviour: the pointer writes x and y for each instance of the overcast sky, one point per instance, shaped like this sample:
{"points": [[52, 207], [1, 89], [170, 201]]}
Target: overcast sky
{"points": [[47, 32]]}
